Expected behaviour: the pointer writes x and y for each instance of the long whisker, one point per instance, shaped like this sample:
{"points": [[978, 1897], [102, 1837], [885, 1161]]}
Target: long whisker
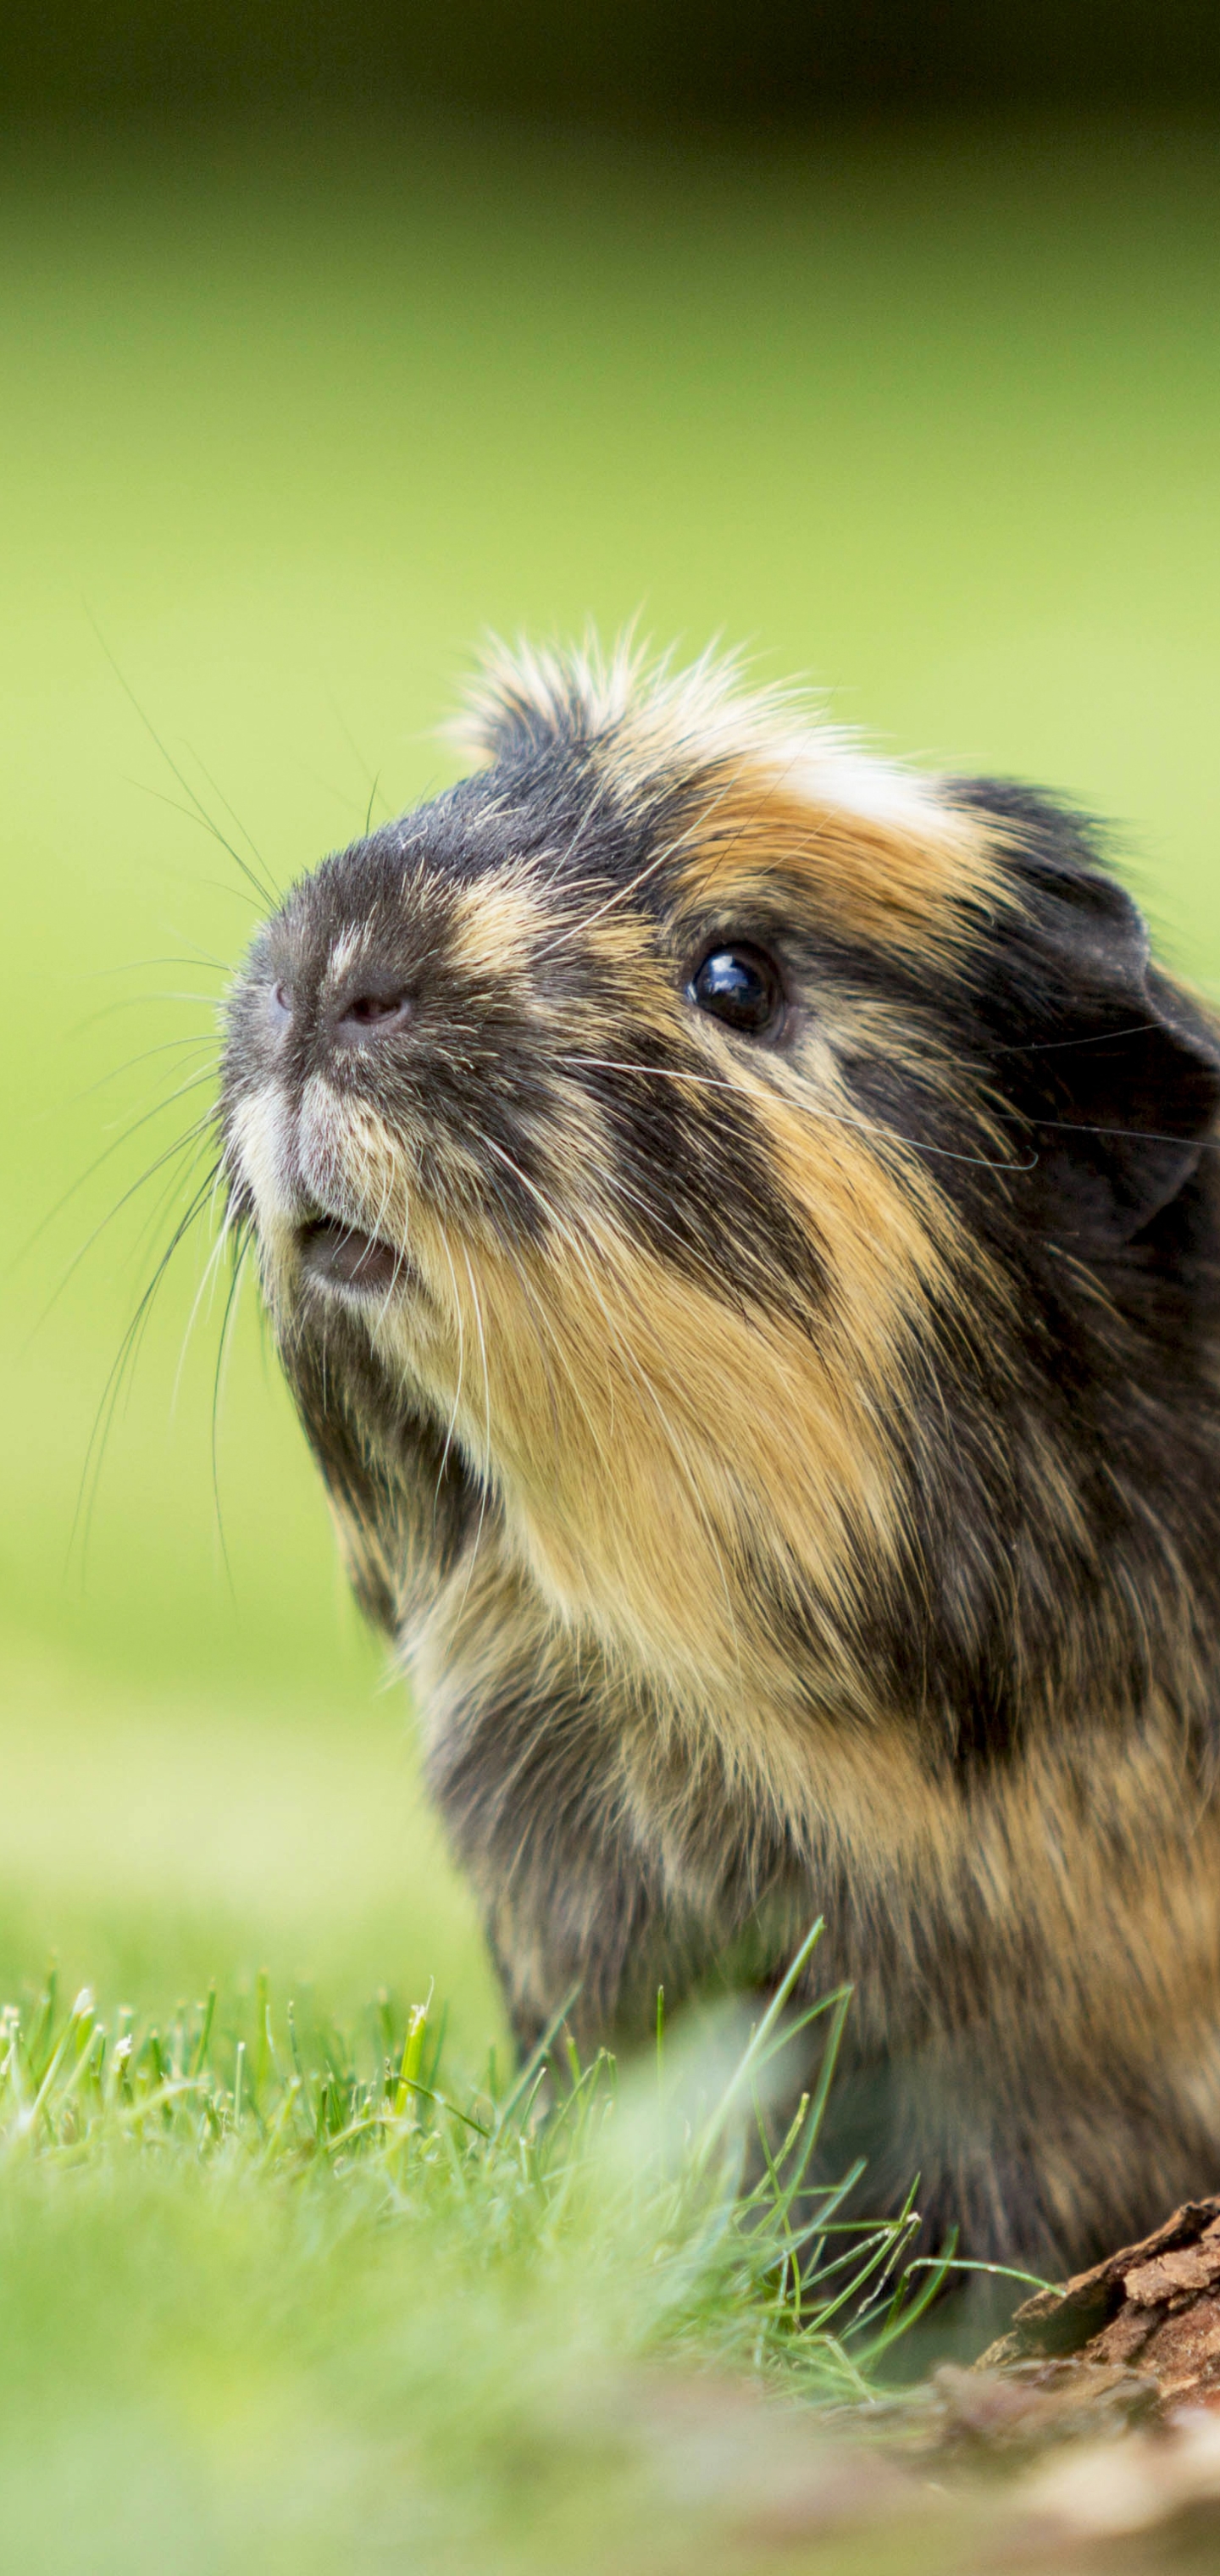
{"points": [[140, 1001], [375, 1229], [355, 750], [194, 813], [461, 1366], [268, 900], [136, 965], [834, 1117], [486, 1478], [224, 1238], [235, 818], [158, 1107], [120, 1366], [1014, 1117], [164, 1046], [200, 1128], [226, 1322], [199, 1145]]}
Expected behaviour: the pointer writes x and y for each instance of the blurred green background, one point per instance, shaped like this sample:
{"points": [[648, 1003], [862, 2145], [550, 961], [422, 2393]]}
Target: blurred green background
{"points": [[294, 406]]}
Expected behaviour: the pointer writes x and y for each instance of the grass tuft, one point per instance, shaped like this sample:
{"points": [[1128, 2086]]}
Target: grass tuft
{"points": [[665, 2189], [273, 2295]]}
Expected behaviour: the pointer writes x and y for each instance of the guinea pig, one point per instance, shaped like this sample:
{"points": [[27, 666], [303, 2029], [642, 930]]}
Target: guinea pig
{"points": [[740, 1226]]}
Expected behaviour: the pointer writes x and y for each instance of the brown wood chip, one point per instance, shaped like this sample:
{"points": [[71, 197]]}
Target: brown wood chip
{"points": [[1193, 2267], [1150, 2312]]}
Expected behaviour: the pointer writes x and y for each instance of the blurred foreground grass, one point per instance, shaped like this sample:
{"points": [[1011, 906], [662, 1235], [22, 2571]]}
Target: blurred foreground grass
{"points": [[289, 417], [375, 2318], [281, 2300]]}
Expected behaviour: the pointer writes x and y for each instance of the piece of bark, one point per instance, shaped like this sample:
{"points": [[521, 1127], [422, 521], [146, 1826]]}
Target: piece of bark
{"points": [[1193, 2267], [1150, 2313]]}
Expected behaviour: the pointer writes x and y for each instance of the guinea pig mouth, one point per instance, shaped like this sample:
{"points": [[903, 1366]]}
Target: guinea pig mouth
{"points": [[340, 1256]]}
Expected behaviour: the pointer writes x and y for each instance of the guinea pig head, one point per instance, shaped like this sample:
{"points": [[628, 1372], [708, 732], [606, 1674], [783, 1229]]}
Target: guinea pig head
{"points": [[642, 1145]]}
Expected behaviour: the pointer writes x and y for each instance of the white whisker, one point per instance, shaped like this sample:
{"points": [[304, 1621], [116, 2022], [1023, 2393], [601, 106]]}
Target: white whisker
{"points": [[461, 1367], [486, 1480], [809, 1108]]}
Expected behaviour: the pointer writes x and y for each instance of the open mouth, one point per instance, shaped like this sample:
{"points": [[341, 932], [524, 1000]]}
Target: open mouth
{"points": [[341, 1256]]}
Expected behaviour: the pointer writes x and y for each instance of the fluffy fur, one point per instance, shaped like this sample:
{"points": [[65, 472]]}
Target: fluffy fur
{"points": [[786, 1463]]}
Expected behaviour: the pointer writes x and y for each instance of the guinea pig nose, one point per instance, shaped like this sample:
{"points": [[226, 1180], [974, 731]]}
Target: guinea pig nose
{"points": [[374, 1013]]}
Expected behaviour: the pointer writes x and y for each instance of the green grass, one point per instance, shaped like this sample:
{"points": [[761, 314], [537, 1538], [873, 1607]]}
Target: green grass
{"points": [[291, 415], [315, 2308]]}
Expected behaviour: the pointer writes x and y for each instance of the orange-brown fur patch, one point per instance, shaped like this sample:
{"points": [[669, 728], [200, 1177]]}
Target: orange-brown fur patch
{"points": [[880, 883]]}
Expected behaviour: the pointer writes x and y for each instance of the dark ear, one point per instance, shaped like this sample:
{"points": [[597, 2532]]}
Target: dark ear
{"points": [[1116, 1071]]}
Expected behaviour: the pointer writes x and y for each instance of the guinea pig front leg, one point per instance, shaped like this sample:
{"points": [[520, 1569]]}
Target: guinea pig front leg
{"points": [[573, 1913]]}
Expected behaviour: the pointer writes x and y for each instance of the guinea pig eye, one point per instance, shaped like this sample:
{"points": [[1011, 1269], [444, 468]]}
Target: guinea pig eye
{"points": [[739, 986]]}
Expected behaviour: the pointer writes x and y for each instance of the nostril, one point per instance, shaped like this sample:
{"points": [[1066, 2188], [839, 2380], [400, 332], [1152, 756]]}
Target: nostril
{"points": [[373, 1014]]}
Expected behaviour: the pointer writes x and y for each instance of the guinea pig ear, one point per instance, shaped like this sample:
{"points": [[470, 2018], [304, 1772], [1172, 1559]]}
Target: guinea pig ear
{"points": [[1116, 1071]]}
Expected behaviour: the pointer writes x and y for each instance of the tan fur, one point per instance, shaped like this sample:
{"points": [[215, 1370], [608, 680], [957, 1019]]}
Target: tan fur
{"points": [[911, 885], [498, 923]]}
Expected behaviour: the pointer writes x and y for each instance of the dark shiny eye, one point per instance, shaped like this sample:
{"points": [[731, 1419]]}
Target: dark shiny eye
{"points": [[741, 987]]}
